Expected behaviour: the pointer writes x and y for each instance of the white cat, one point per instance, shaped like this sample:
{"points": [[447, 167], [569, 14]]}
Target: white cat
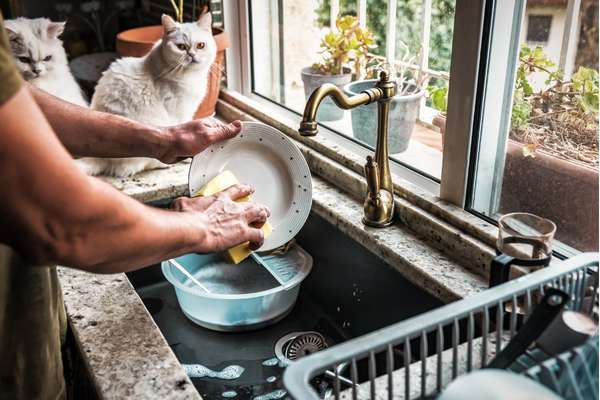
{"points": [[163, 88], [40, 56]]}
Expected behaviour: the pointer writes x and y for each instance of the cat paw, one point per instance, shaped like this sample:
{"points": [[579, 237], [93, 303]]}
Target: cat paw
{"points": [[88, 166]]}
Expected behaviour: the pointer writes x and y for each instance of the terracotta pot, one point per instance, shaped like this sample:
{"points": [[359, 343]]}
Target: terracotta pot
{"points": [[564, 191], [138, 42], [440, 121]]}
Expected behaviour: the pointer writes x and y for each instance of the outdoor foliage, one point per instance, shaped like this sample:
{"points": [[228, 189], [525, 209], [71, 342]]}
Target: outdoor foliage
{"points": [[439, 97], [348, 46], [562, 118], [407, 28]]}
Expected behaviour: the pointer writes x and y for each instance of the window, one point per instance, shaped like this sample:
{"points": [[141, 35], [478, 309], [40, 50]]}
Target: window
{"points": [[538, 28], [286, 44], [538, 147], [521, 116]]}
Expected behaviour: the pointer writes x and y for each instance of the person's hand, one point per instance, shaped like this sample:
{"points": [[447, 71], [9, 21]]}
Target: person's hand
{"points": [[191, 138], [224, 222]]}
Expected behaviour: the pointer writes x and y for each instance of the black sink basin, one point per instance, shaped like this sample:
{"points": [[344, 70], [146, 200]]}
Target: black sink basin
{"points": [[349, 292]]}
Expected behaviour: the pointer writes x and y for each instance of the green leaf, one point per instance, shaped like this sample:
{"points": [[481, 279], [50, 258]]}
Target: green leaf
{"points": [[527, 89], [439, 97], [347, 46], [521, 111], [585, 83]]}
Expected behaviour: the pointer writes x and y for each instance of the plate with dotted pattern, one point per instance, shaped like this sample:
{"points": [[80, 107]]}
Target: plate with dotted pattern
{"points": [[267, 159]]}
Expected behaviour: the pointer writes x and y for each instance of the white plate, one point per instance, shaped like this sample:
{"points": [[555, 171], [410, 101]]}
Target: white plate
{"points": [[267, 159]]}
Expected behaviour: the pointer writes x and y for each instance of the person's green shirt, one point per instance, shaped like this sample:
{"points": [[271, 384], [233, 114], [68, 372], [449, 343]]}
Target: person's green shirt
{"points": [[32, 315]]}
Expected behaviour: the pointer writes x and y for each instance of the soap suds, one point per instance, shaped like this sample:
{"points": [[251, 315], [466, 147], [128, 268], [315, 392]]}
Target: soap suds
{"points": [[200, 371], [277, 394]]}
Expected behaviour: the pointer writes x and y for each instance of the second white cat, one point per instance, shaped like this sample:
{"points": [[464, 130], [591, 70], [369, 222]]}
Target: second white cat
{"points": [[163, 88], [40, 56]]}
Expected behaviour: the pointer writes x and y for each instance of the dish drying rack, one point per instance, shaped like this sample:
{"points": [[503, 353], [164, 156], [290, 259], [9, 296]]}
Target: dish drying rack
{"points": [[419, 357]]}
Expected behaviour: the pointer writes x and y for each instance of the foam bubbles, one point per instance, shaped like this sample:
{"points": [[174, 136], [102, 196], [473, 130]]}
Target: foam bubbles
{"points": [[271, 362], [200, 371], [274, 395]]}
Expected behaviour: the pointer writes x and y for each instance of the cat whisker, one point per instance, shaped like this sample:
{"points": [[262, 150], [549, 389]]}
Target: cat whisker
{"points": [[170, 68]]}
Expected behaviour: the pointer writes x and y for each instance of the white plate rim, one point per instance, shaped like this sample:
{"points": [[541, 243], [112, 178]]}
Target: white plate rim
{"points": [[303, 207]]}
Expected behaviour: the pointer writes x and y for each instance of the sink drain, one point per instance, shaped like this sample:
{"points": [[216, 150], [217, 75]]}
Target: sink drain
{"points": [[299, 344]]}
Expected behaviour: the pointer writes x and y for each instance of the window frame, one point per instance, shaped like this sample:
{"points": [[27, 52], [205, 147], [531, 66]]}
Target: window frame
{"points": [[470, 67], [239, 78]]}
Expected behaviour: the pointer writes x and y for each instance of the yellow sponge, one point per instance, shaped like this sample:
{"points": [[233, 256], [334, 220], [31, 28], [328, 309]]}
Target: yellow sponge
{"points": [[242, 251], [219, 183]]}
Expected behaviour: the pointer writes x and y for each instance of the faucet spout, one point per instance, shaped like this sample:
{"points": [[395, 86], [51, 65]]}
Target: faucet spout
{"points": [[308, 125]]}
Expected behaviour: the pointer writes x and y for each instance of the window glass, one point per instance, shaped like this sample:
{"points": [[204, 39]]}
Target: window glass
{"points": [[538, 147], [292, 43]]}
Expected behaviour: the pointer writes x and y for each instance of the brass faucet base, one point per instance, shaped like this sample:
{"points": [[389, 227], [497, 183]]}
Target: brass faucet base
{"points": [[375, 224]]}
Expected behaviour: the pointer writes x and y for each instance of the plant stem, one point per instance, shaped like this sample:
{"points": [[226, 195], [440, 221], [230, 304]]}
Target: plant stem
{"points": [[525, 61], [176, 9]]}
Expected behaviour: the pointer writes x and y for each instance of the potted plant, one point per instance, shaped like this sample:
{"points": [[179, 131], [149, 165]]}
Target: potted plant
{"points": [[552, 151], [345, 47], [404, 107], [137, 42]]}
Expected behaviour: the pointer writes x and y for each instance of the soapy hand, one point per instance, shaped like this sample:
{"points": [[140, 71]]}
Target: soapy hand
{"points": [[195, 136], [226, 223]]}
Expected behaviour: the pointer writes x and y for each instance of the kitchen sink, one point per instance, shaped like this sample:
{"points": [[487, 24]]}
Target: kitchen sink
{"points": [[349, 292]]}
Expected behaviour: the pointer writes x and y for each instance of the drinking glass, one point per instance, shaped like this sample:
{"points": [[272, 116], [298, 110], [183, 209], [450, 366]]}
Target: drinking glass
{"points": [[523, 239]]}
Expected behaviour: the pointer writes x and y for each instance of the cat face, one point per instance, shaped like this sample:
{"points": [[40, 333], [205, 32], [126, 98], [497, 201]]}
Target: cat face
{"points": [[35, 45], [189, 45]]}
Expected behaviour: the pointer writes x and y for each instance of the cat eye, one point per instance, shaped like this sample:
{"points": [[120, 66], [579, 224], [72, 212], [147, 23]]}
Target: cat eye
{"points": [[48, 58], [200, 45], [182, 46], [25, 60]]}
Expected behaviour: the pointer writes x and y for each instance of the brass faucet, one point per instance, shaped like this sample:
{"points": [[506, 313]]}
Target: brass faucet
{"points": [[379, 202]]}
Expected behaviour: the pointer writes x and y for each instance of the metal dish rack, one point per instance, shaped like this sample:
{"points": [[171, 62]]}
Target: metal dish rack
{"points": [[418, 357], [574, 374]]}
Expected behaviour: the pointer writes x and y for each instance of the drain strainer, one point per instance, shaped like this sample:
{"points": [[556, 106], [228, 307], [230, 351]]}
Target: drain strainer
{"points": [[299, 344], [303, 345]]}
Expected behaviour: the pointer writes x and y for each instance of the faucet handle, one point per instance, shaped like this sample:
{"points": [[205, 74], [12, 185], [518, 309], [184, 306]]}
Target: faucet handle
{"points": [[373, 179]]}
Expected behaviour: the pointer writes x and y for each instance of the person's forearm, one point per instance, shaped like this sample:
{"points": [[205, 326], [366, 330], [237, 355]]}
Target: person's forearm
{"points": [[53, 213], [118, 234], [88, 133]]}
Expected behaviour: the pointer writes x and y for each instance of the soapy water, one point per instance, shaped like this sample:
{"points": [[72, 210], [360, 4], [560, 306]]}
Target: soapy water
{"points": [[274, 362], [221, 277], [274, 395], [271, 362], [230, 394], [200, 371]]}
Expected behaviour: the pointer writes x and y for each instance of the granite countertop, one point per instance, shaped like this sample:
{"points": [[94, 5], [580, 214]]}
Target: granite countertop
{"points": [[121, 346]]}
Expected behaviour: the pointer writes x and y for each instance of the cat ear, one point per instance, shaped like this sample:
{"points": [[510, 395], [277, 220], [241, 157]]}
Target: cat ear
{"points": [[168, 24], [55, 29], [12, 35], [15, 38], [205, 20]]}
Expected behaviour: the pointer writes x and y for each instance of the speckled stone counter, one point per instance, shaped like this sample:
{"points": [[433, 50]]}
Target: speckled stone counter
{"points": [[127, 356], [121, 346]]}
